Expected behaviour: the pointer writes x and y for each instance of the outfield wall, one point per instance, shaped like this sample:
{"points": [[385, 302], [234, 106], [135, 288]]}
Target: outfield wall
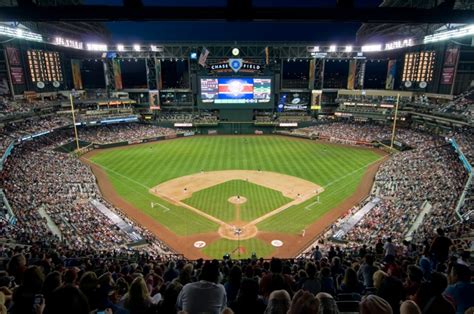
{"points": [[236, 128]]}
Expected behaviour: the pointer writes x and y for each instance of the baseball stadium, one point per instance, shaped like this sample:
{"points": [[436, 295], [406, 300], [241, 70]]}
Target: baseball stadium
{"points": [[253, 165]]}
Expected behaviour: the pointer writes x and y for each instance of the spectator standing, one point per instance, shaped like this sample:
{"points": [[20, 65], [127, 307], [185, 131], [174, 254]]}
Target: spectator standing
{"points": [[389, 248], [206, 295], [317, 255], [367, 270], [248, 300], [440, 247], [461, 289]]}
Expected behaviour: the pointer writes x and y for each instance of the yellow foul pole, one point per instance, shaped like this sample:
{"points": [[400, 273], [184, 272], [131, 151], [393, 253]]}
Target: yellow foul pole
{"points": [[394, 122], [74, 121]]}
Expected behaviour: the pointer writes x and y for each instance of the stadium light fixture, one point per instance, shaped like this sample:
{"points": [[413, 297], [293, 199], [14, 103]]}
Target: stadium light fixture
{"points": [[96, 47], [371, 48], [153, 48], [19, 33], [136, 47], [120, 47], [454, 33], [193, 55], [348, 48], [332, 48]]}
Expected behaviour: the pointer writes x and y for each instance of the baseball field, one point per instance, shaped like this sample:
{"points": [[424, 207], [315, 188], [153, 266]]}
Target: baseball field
{"points": [[206, 196]]}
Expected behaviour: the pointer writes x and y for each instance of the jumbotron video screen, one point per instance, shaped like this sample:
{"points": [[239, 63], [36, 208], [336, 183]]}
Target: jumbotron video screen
{"points": [[241, 90]]}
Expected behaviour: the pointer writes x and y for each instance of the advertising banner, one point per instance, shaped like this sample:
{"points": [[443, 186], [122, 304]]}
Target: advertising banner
{"points": [[76, 74], [312, 65], [447, 76], [203, 57], [316, 99], [13, 56], [351, 74], [117, 74], [154, 100], [17, 75], [391, 74], [451, 57], [449, 66]]}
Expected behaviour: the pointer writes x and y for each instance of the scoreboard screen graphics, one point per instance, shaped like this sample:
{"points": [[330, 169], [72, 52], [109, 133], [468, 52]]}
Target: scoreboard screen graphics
{"points": [[232, 90], [294, 101]]}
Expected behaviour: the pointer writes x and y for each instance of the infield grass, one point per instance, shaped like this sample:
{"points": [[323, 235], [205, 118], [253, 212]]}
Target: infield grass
{"points": [[214, 200], [133, 170]]}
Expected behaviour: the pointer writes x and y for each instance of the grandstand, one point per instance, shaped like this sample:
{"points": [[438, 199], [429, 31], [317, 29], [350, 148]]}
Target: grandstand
{"points": [[236, 177]]}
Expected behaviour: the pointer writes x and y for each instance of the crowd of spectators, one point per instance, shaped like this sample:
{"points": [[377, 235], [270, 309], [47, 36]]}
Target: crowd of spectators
{"points": [[51, 278], [35, 125], [114, 133], [465, 139], [407, 183], [462, 105], [426, 180], [36, 177], [366, 132], [79, 262], [8, 107]]}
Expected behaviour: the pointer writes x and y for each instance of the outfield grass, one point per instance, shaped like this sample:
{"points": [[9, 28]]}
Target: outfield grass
{"points": [[214, 200], [135, 169]]}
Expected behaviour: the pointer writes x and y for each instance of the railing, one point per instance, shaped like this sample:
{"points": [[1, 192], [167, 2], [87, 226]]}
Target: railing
{"points": [[11, 219], [467, 186], [462, 198]]}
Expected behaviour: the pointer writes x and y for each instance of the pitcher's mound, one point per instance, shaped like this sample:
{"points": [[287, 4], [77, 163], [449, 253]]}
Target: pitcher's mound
{"points": [[237, 200]]}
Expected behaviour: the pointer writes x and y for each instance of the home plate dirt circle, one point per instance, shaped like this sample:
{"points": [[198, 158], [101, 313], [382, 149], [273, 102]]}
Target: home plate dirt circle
{"points": [[237, 200], [277, 243], [199, 244]]}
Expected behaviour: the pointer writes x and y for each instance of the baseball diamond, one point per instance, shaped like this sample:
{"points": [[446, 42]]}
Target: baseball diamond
{"points": [[234, 191]]}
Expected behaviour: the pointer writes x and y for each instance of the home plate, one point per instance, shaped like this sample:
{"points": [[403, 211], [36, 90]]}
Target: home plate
{"points": [[277, 243], [199, 244]]}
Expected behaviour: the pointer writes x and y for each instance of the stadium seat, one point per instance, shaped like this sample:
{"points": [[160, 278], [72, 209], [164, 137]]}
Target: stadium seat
{"points": [[349, 297], [348, 306]]}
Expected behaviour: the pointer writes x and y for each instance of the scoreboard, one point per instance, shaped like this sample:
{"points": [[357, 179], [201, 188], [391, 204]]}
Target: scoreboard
{"points": [[236, 92]]}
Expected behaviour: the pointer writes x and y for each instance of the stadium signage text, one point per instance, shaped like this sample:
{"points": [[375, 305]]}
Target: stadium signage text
{"points": [[288, 125], [227, 67], [399, 44], [69, 43], [183, 125]]}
